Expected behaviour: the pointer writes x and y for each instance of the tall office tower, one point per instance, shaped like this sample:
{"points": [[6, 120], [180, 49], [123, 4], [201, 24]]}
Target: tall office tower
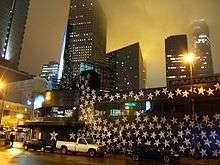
{"points": [[202, 49], [175, 48], [50, 72], [127, 70], [85, 38], [13, 15]]}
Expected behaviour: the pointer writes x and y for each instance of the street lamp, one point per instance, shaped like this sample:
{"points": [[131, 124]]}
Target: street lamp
{"points": [[2, 91], [190, 58]]}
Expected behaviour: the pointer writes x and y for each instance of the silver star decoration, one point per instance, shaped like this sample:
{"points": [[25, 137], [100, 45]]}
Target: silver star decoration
{"points": [[161, 134], [146, 118], [175, 140], [148, 143], [115, 130], [111, 98], [210, 92], [124, 142], [93, 92], [88, 89], [99, 98], [203, 135], [153, 135], [157, 93], [82, 87], [151, 126], [217, 116], [137, 133], [166, 143], [217, 86], [174, 120], [94, 97], [150, 96], [201, 90], [136, 97], [156, 143], [203, 152], [130, 143], [72, 136], [213, 134], [133, 126], [163, 120], [180, 134], [155, 118], [169, 134], [205, 119], [158, 126], [131, 93], [187, 142], [207, 142], [218, 143], [106, 95], [182, 149], [124, 119], [186, 118], [53, 135], [117, 121], [127, 126], [178, 92], [125, 96], [141, 93], [185, 93], [144, 135], [141, 127], [188, 131], [170, 95], [215, 153], [168, 127], [109, 134], [164, 91], [137, 119], [117, 95]]}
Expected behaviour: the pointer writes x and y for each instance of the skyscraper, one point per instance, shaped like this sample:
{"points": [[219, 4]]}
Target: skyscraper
{"points": [[127, 69], [85, 38], [50, 72], [175, 47], [202, 49], [13, 15]]}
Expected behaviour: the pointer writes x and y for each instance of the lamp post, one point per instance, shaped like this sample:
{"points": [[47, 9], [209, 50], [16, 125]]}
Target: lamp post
{"points": [[2, 91], [189, 58]]}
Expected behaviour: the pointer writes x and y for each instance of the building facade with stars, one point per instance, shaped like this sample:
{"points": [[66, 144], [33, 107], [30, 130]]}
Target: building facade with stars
{"points": [[85, 40], [202, 44], [127, 68], [175, 48]]}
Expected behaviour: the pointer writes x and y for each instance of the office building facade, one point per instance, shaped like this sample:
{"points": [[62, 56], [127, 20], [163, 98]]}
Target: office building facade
{"points": [[13, 15], [50, 72], [127, 68], [175, 48], [201, 43], [85, 38]]}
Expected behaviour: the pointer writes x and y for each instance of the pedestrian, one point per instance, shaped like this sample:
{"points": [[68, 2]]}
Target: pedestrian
{"points": [[12, 138]]}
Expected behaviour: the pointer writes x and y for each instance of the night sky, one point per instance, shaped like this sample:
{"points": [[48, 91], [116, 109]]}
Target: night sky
{"points": [[146, 21]]}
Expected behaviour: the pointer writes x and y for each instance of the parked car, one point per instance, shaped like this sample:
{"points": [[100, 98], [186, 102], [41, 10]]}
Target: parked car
{"points": [[81, 145], [39, 144], [142, 152]]}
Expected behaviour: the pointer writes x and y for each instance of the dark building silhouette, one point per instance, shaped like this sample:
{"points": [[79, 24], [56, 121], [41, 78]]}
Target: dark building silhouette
{"points": [[127, 68], [175, 48], [202, 49], [85, 38], [13, 15]]}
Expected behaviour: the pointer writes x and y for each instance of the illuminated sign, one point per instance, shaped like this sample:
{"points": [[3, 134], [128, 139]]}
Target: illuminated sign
{"points": [[131, 104]]}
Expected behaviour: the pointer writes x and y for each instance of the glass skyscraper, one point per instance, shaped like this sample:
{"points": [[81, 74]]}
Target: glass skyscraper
{"points": [[175, 48], [13, 15], [127, 68], [85, 38], [202, 49]]}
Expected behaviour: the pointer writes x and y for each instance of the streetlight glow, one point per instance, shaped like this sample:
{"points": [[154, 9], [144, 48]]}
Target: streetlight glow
{"points": [[2, 84], [189, 58]]}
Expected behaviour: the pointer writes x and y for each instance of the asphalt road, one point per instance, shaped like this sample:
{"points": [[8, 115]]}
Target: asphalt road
{"points": [[17, 156]]}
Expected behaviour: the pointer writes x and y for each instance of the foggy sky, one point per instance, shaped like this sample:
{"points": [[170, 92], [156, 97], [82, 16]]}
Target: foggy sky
{"points": [[146, 21]]}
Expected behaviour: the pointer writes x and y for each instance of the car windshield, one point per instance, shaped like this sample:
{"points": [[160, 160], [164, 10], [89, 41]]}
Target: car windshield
{"points": [[90, 141]]}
